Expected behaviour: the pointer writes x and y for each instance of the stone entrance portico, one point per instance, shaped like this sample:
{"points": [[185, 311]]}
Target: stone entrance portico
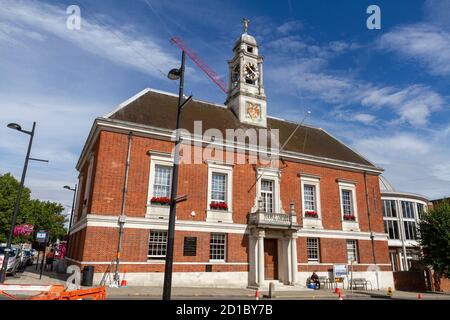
{"points": [[283, 229]]}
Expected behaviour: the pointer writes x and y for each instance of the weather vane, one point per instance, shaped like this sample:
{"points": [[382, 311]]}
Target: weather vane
{"points": [[246, 21]]}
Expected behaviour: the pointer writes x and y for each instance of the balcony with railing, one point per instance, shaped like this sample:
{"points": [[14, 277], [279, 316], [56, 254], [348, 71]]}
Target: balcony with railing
{"points": [[260, 218]]}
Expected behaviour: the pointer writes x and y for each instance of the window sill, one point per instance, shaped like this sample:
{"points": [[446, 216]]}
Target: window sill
{"points": [[156, 261], [348, 225], [310, 222], [155, 211], [159, 205], [219, 216], [313, 262]]}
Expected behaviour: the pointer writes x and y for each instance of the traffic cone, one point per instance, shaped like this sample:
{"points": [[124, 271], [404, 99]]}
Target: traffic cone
{"points": [[419, 296], [340, 296], [123, 283], [257, 294]]}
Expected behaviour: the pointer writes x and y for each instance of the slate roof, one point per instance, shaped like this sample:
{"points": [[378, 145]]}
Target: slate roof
{"points": [[158, 109]]}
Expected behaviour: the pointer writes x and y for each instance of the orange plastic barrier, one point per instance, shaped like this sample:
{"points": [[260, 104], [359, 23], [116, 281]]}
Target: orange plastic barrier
{"points": [[53, 292]]}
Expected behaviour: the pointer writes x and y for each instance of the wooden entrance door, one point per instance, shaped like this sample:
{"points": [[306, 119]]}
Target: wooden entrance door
{"points": [[271, 259]]}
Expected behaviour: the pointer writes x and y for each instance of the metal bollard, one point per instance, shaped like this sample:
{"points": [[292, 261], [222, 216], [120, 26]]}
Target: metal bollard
{"points": [[271, 290]]}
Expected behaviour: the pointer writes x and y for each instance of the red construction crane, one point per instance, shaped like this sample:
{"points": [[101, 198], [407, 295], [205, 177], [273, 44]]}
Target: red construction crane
{"points": [[202, 65]]}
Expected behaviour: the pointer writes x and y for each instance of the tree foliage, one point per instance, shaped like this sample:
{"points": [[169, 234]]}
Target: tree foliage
{"points": [[43, 215], [434, 231]]}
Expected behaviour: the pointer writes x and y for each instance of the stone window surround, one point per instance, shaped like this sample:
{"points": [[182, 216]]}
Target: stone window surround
{"points": [[269, 174], [349, 225], [220, 215], [314, 181], [155, 210]]}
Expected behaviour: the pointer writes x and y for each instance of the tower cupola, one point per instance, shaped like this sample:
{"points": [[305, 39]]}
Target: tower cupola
{"points": [[246, 95]]}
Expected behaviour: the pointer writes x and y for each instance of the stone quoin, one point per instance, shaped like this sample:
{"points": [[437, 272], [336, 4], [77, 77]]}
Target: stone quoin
{"points": [[243, 224]]}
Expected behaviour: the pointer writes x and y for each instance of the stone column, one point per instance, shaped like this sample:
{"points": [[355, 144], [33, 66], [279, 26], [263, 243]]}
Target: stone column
{"points": [[253, 260], [294, 262], [287, 261], [261, 258]]}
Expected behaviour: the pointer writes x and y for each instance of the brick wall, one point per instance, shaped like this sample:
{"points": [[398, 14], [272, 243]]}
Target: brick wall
{"points": [[110, 168], [100, 243]]}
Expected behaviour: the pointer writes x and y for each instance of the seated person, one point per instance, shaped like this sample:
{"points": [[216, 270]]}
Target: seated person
{"points": [[315, 279]]}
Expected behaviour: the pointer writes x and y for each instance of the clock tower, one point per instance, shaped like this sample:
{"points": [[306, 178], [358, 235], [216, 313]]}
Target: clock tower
{"points": [[246, 88]]}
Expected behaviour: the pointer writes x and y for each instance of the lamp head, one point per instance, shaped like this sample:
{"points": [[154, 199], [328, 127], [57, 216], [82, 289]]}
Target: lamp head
{"points": [[174, 74], [67, 187], [15, 126]]}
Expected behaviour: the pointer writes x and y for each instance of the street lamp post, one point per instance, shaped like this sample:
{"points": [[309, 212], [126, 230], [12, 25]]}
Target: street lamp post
{"points": [[174, 74], [74, 190], [17, 127]]}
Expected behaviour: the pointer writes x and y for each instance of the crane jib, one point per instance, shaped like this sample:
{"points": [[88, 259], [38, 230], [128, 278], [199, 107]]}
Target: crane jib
{"points": [[201, 64]]}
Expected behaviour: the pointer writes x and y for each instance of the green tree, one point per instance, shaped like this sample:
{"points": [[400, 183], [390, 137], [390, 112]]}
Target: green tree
{"points": [[43, 215], [434, 230]]}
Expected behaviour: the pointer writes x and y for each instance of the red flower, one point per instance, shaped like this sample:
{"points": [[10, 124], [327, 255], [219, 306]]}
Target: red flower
{"points": [[218, 205], [349, 217], [160, 200], [311, 214]]}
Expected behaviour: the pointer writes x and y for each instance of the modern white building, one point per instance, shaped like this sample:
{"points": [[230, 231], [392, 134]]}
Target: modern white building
{"points": [[401, 213]]}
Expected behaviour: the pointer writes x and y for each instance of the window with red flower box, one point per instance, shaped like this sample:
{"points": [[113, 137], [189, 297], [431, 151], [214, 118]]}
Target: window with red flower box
{"points": [[160, 200], [311, 214], [349, 217], [218, 205]]}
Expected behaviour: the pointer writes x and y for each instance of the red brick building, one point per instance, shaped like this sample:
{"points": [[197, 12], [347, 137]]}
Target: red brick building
{"points": [[245, 222]]}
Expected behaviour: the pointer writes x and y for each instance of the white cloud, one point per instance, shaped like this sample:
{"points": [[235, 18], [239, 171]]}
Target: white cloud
{"points": [[423, 42], [364, 118], [118, 44], [413, 162], [290, 26], [61, 128], [404, 145], [9, 33], [413, 104]]}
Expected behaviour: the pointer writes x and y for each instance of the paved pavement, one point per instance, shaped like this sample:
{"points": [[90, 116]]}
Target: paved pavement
{"points": [[248, 294], [31, 276]]}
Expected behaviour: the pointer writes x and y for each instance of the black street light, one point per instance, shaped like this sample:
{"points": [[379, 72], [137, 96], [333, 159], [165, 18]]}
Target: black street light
{"points": [[174, 74], [17, 127], [74, 190]]}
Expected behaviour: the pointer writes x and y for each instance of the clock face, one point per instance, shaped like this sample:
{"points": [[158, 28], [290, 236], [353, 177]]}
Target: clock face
{"points": [[253, 110], [251, 71]]}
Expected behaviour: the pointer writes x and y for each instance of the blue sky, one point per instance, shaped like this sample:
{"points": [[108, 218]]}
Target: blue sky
{"points": [[386, 93]]}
